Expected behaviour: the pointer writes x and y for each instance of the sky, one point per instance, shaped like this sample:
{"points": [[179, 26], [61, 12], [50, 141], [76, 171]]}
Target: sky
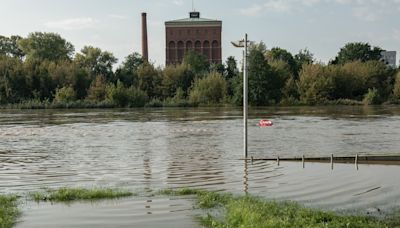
{"points": [[321, 26]]}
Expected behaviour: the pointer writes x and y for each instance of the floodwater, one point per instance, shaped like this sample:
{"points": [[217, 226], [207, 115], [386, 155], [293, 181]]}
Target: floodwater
{"points": [[151, 149]]}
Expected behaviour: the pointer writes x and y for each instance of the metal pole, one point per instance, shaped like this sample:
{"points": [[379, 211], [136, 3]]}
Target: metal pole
{"points": [[245, 98]]}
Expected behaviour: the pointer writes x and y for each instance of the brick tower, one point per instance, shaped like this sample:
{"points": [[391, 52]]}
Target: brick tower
{"points": [[193, 33]]}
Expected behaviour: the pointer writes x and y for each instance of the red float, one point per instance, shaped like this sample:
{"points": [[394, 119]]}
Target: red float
{"points": [[265, 123]]}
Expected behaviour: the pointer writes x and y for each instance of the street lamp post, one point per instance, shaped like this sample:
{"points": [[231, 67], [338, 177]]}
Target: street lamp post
{"points": [[244, 44]]}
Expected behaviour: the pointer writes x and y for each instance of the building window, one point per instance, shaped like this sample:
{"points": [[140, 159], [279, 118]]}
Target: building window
{"points": [[188, 31], [197, 46], [181, 50], [215, 51], [189, 45], [206, 49], [171, 52]]}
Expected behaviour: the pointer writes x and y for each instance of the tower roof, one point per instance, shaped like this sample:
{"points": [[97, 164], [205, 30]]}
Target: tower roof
{"points": [[194, 19]]}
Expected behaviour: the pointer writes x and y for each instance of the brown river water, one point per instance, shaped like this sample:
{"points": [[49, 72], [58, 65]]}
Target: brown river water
{"points": [[146, 150]]}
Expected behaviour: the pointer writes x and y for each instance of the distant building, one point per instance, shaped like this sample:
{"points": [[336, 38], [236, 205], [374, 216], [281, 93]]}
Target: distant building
{"points": [[193, 33], [389, 57]]}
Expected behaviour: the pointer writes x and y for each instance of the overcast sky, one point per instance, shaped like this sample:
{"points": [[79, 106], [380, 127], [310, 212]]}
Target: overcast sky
{"points": [[322, 26]]}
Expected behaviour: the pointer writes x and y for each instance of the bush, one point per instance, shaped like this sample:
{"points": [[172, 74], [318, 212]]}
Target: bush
{"points": [[315, 84], [372, 97], [136, 97], [65, 95], [396, 89], [117, 95], [209, 90], [97, 89]]}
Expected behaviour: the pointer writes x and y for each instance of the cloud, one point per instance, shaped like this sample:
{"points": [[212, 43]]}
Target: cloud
{"points": [[177, 2], [366, 14], [366, 10], [116, 16], [396, 34], [72, 24]]}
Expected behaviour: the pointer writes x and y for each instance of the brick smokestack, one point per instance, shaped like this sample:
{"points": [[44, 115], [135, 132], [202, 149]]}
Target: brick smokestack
{"points": [[145, 47]]}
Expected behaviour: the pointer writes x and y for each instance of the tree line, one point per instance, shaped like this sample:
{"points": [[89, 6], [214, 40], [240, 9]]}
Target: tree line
{"points": [[43, 70]]}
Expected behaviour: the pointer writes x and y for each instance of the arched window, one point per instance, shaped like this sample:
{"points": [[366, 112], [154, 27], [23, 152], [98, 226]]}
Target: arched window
{"points": [[189, 45], [171, 52], [197, 46], [206, 49], [181, 51], [215, 51]]}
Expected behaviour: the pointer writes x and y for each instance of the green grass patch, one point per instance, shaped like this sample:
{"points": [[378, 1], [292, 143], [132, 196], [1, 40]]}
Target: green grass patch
{"points": [[226, 210], [72, 194], [204, 199], [8, 211]]}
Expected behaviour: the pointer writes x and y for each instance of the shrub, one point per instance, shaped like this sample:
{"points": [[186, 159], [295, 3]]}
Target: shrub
{"points": [[136, 97], [65, 95], [396, 89], [315, 84], [97, 89], [372, 97], [209, 90], [117, 95]]}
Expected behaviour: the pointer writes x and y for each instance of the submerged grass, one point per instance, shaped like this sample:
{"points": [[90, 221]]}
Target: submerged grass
{"points": [[8, 211], [71, 194], [247, 211]]}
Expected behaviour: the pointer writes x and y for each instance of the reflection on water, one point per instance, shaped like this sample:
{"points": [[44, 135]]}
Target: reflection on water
{"points": [[149, 149]]}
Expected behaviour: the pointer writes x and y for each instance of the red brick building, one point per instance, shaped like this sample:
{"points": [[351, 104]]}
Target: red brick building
{"points": [[193, 33]]}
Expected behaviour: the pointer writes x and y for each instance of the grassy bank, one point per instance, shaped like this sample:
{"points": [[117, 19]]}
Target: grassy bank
{"points": [[227, 210], [71, 194], [8, 211]]}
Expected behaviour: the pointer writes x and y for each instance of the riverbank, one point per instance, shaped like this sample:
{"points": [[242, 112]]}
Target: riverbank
{"points": [[170, 103], [217, 209]]}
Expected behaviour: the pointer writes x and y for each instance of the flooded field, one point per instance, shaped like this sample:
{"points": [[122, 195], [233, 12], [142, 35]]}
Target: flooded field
{"points": [[151, 149]]}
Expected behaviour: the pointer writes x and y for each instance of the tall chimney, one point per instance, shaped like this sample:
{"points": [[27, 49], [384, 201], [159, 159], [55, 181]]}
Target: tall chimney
{"points": [[145, 48]]}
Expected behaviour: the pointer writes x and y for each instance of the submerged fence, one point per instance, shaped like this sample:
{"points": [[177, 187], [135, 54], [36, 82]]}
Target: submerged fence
{"points": [[357, 159]]}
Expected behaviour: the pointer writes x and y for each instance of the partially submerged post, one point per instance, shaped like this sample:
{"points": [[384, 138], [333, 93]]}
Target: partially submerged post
{"points": [[245, 97], [244, 44]]}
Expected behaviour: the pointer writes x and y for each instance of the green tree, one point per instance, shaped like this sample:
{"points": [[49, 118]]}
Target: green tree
{"points": [[97, 89], [315, 84], [174, 77], [65, 94], [372, 97], [149, 80], [279, 54], [46, 46], [283, 81], [13, 84], [96, 62], [231, 73], [303, 57], [9, 47], [117, 94], [197, 62], [231, 69], [209, 90], [358, 52], [127, 72], [264, 83], [361, 76], [396, 89], [39, 79]]}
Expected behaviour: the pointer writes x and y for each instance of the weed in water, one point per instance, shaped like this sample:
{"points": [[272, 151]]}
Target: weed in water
{"points": [[71, 194], [8, 211]]}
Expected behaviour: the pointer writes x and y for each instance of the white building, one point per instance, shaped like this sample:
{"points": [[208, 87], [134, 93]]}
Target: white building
{"points": [[389, 57]]}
